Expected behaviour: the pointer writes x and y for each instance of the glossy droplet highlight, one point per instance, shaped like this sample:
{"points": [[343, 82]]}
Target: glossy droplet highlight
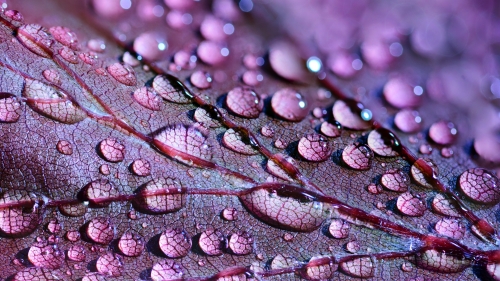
{"points": [[442, 262], [141, 167], [123, 73], [166, 270], [23, 220], [175, 243], [331, 130], [201, 79], [99, 193], [148, 98], [410, 205], [212, 242], [230, 214], [110, 264], [339, 228], [399, 93], [10, 108], [170, 89], [100, 230], [349, 114], [76, 253], [65, 36], [36, 39], [449, 227], [357, 156], [395, 180], [408, 121], [480, 186], [383, 142], [131, 244], [289, 105], [112, 150], [46, 255], [314, 147], [162, 195], [443, 132], [240, 243], [244, 102], [64, 147], [235, 141], [362, 267]]}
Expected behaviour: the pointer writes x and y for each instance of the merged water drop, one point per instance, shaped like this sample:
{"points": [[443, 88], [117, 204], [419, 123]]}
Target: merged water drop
{"points": [[148, 98], [162, 195], [10, 108], [175, 243], [123, 73], [244, 102], [289, 105], [357, 156], [36, 39], [480, 186]]}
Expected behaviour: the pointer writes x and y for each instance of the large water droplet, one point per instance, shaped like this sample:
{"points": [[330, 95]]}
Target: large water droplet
{"points": [[289, 105], [68, 55], [123, 73], [443, 132], [162, 195], [442, 262], [286, 207], [10, 108], [410, 205], [236, 142], [170, 89], [241, 243], [349, 114], [244, 102], [420, 177], [452, 228], [131, 244], [383, 142], [408, 121], [201, 79], [314, 147], [166, 270], [65, 36], [97, 191], [212, 242], [35, 273], [112, 150], [395, 180], [339, 228], [175, 243], [100, 230], [357, 156], [141, 167], [110, 264], [20, 221], [320, 268], [148, 98], [286, 61], [150, 45], [46, 255], [36, 39], [399, 93], [76, 253], [362, 267], [480, 186], [52, 103], [444, 207]]}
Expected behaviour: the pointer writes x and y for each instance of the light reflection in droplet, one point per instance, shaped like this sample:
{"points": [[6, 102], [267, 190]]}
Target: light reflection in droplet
{"points": [[259, 61], [162, 46], [418, 90], [396, 49], [314, 64], [357, 64], [125, 4], [228, 28], [187, 18], [224, 51], [366, 114], [246, 5], [158, 11]]}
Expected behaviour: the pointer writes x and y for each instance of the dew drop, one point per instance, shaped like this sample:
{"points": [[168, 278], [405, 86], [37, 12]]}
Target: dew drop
{"points": [[383, 142], [20, 221], [339, 228], [444, 207], [64, 147], [52, 76], [480, 186], [443, 133], [35, 273], [267, 131], [399, 93], [150, 45], [201, 79], [10, 108], [146, 97], [362, 267], [244, 102], [446, 152], [288, 237], [52, 103], [212, 29], [374, 188], [252, 78], [110, 264], [131, 244], [210, 52], [230, 214], [419, 176], [73, 209], [212, 242], [97, 191], [395, 180], [319, 268], [15, 16], [441, 262], [203, 116], [407, 267], [289, 105], [112, 150], [72, 235], [76, 253], [342, 64], [53, 226], [123, 73], [46, 255], [281, 261], [100, 230], [331, 130], [236, 142], [88, 58], [286, 61], [314, 147], [348, 114], [96, 45], [65, 36], [175, 243], [166, 270], [280, 143], [494, 270], [130, 60], [410, 205], [162, 195], [68, 55], [170, 89], [275, 170], [408, 121], [141, 167], [449, 227], [36, 39], [352, 247], [425, 149], [357, 156], [94, 276], [241, 243]]}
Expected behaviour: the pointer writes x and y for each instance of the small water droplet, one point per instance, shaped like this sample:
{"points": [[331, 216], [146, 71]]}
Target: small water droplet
{"points": [[399, 93], [166, 270], [280, 143], [203, 116], [10, 108], [141, 167], [289, 105], [362, 267], [446, 152], [352, 247], [331, 130], [72, 235], [131, 244], [64, 147], [162, 195], [15, 16], [175, 243], [212, 242], [348, 114], [76, 253], [112, 150], [374, 188], [123, 73], [244, 102], [240, 243], [53, 226], [96, 45], [288, 237], [408, 121], [100, 230], [65, 36], [146, 97], [357, 156], [425, 149], [236, 142], [443, 133], [170, 89], [150, 45], [230, 214], [36, 39], [395, 180], [110, 264], [407, 267], [98, 190], [444, 207], [339, 228], [314, 147], [73, 209], [210, 52], [46, 255], [35, 273], [89, 58], [480, 186], [383, 142], [267, 131], [52, 76], [201, 79], [68, 55], [410, 205]]}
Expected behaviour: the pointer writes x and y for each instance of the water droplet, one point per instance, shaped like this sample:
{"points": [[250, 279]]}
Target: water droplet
{"points": [[286, 61], [408, 121], [46, 255], [148, 98], [362, 267], [420, 177], [201, 79], [35, 273], [244, 102], [183, 143], [72, 235], [288, 237], [76, 253], [407, 267], [64, 147], [289, 105], [276, 170], [96, 45], [314, 147], [52, 76], [110, 264], [286, 207], [52, 103], [339, 228], [241, 243], [123, 73], [280, 143], [94, 276], [343, 64], [36, 39], [348, 114], [331, 130], [112, 150], [443, 133], [175, 243], [150, 45], [352, 247], [166, 270], [53, 226], [480, 186], [444, 207], [131, 244], [203, 116], [252, 78], [410, 205], [68, 55], [97, 191], [494, 270], [212, 28], [88, 58], [73, 209], [449, 227], [65, 36], [210, 52], [395, 180], [267, 131], [15, 16], [281, 261], [20, 221], [425, 149], [100, 230], [170, 89], [442, 262], [212, 242], [446, 152], [10, 108], [320, 268], [236, 142], [374, 188], [230, 214], [357, 156], [141, 167], [383, 142], [399, 93], [162, 195]]}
